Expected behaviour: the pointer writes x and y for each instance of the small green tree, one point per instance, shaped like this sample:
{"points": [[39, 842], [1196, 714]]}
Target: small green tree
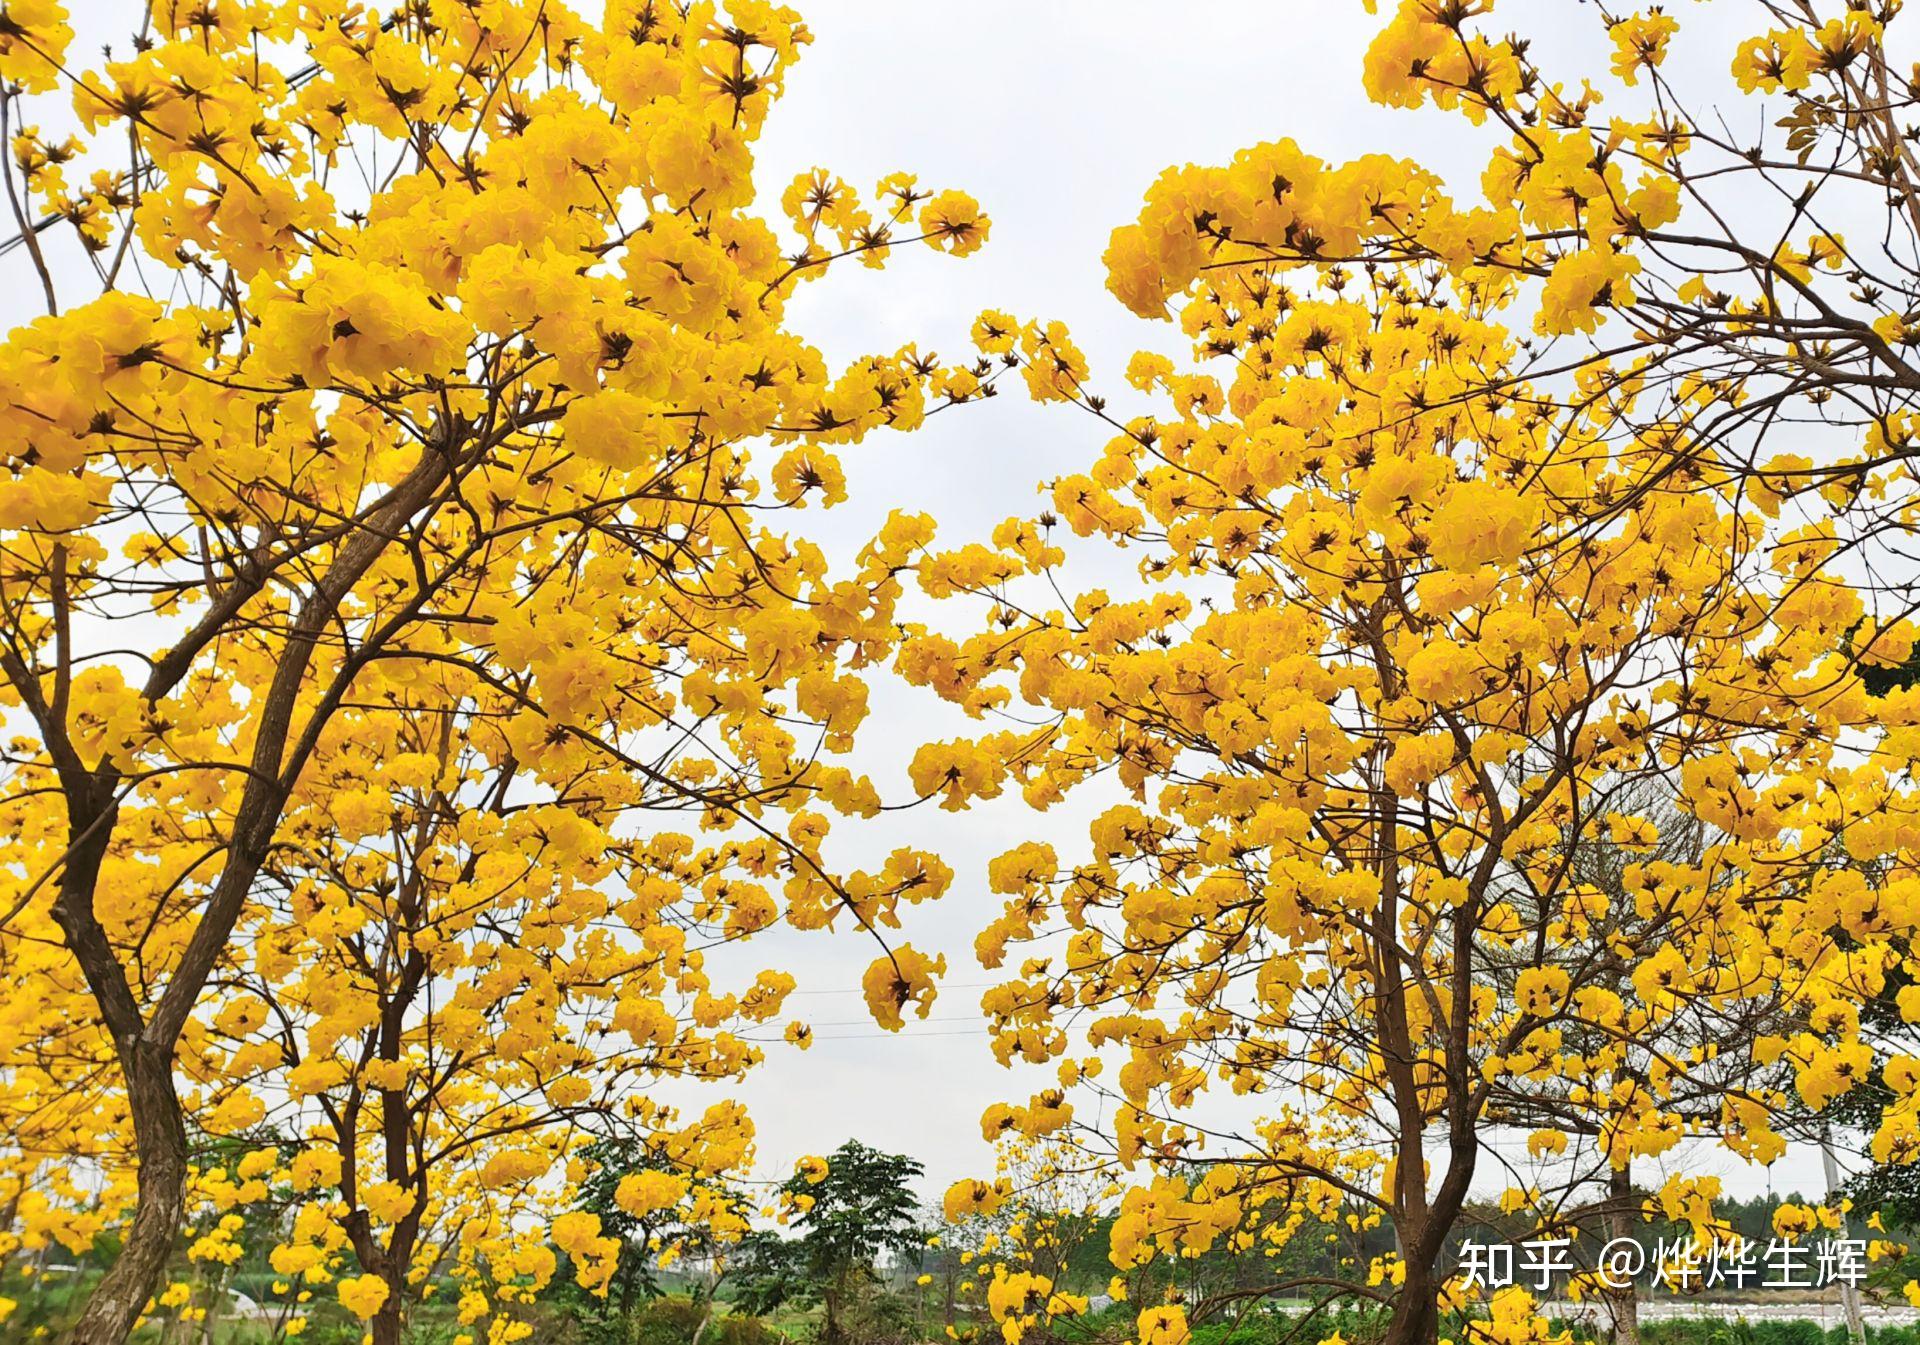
{"points": [[608, 1319], [862, 1208]]}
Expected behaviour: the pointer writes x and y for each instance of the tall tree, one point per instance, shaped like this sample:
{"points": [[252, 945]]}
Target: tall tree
{"points": [[1422, 613], [704, 1246], [382, 528]]}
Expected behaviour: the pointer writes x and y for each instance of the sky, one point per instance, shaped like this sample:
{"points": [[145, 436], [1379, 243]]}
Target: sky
{"points": [[1056, 117]]}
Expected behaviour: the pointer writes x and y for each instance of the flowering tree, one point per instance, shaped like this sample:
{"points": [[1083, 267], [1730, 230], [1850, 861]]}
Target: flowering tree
{"points": [[387, 587], [1477, 542], [1006, 1247]]}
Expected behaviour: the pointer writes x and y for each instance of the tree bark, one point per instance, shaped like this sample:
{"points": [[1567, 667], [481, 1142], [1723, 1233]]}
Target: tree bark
{"points": [[386, 1322], [1849, 1293], [217, 1302], [145, 1045], [1624, 1302], [830, 1332], [706, 1319], [160, 1133], [1416, 1308]]}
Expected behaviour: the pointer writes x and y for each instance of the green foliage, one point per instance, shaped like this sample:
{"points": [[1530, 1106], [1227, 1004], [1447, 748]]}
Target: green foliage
{"points": [[1741, 1331], [674, 1320], [773, 1273], [862, 1209], [609, 1319], [1253, 1324]]}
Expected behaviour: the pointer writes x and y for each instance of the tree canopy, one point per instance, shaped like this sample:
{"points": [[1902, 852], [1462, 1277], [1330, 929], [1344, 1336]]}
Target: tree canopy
{"points": [[419, 657], [1479, 521], [414, 655]]}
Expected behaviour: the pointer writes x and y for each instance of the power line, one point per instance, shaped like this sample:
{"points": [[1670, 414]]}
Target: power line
{"points": [[938, 985], [868, 1022], [903, 1035]]}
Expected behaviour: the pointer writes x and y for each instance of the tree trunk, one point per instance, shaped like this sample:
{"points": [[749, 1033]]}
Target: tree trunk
{"points": [[161, 1137], [1849, 1293], [145, 1045], [1416, 1310], [386, 1322], [830, 1329], [706, 1318], [1623, 1302], [216, 1301]]}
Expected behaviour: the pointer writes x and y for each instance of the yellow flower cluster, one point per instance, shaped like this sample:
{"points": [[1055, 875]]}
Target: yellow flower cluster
{"points": [[488, 682]]}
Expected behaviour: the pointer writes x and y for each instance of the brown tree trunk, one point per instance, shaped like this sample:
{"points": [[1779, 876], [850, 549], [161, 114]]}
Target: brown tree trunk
{"points": [[1421, 1223], [389, 1263], [145, 1045], [161, 1135], [386, 1322], [1624, 1301], [830, 1329], [1416, 1309]]}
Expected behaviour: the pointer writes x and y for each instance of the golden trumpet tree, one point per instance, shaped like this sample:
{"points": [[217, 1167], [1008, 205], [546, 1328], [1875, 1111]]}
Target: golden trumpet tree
{"points": [[409, 658], [1003, 1265], [447, 1001], [1426, 604], [1397, 665]]}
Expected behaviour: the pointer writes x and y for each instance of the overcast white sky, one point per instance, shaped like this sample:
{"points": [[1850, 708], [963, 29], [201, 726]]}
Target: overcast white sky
{"points": [[1056, 117]]}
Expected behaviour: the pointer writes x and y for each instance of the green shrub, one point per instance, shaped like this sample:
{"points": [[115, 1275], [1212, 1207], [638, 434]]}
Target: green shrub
{"points": [[674, 1321]]}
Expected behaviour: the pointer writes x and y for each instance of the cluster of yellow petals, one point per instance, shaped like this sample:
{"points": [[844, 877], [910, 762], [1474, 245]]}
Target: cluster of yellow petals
{"points": [[1446, 588], [448, 506]]}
